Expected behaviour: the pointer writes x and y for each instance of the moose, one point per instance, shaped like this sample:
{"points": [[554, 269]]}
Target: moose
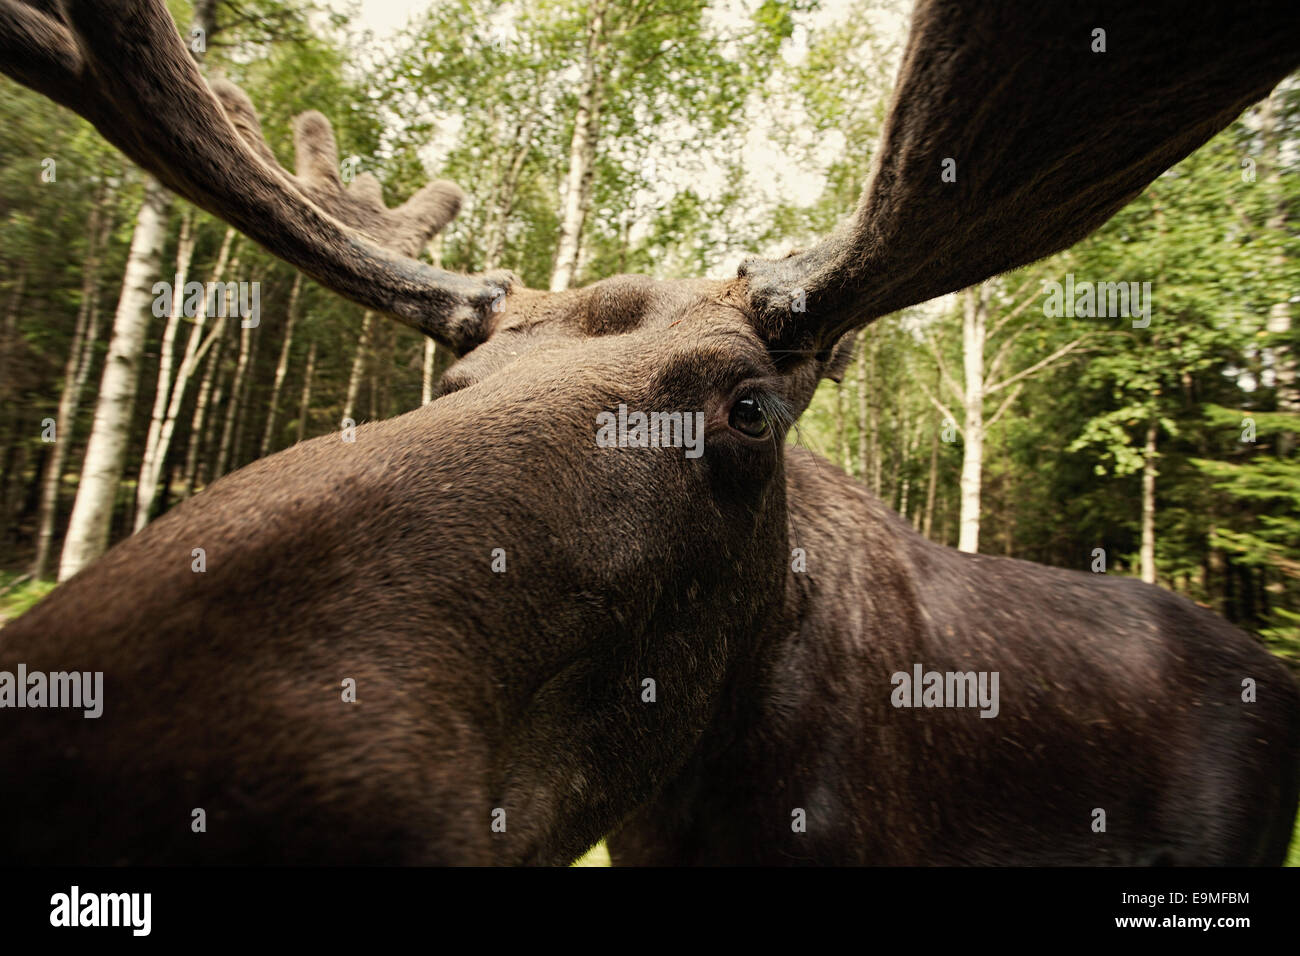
{"points": [[499, 714]]}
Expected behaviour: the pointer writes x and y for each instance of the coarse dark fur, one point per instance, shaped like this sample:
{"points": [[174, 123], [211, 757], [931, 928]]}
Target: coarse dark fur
{"points": [[372, 560], [521, 690], [1114, 695]]}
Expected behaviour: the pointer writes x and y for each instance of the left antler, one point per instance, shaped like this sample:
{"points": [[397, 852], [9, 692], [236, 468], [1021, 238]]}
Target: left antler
{"points": [[121, 64]]}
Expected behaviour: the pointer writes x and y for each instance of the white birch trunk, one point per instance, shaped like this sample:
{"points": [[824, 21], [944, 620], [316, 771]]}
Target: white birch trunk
{"points": [[75, 371], [426, 379], [358, 366], [281, 368], [101, 472], [972, 462], [236, 392], [304, 404], [151, 465], [190, 360], [582, 153], [200, 411], [1148, 546]]}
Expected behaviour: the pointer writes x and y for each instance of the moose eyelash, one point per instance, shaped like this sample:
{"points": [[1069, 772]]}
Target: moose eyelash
{"points": [[780, 414]]}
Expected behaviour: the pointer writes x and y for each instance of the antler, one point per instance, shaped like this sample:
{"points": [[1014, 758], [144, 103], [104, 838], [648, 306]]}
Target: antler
{"points": [[360, 204], [121, 64], [1047, 135]]}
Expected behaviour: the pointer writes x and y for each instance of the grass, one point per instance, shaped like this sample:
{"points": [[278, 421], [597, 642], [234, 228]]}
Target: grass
{"points": [[598, 855], [16, 598]]}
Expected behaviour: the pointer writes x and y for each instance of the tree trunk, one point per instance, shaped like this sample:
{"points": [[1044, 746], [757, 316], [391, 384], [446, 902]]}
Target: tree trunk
{"points": [[877, 465], [236, 460], [197, 433], [305, 404], [75, 371], [212, 428], [426, 376], [358, 366], [972, 461], [436, 358], [436, 361], [841, 432], [381, 357], [900, 463], [190, 360], [1148, 547], [862, 412], [92, 513], [232, 406], [9, 336], [495, 242], [1282, 355], [14, 449], [582, 151], [928, 522], [282, 367], [151, 466]]}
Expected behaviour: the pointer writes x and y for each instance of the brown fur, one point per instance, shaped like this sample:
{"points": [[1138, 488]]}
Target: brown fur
{"points": [[477, 690], [1114, 695]]}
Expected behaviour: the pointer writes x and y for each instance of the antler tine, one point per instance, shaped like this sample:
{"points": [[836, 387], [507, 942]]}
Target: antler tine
{"points": [[359, 204], [121, 64], [1048, 118], [406, 229]]}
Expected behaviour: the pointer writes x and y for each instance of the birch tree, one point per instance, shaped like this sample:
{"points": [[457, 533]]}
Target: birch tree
{"points": [[582, 146], [980, 381], [151, 464], [101, 471], [281, 367], [76, 370], [172, 391]]}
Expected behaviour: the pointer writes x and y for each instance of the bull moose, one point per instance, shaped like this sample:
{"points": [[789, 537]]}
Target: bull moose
{"points": [[499, 714]]}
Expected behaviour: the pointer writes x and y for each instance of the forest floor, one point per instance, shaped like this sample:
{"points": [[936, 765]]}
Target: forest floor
{"points": [[18, 593]]}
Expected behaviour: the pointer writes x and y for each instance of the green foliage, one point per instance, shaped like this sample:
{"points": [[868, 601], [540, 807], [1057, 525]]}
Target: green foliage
{"points": [[18, 594]]}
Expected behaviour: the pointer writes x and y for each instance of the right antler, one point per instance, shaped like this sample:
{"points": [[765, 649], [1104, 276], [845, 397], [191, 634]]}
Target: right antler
{"points": [[1045, 136], [121, 65]]}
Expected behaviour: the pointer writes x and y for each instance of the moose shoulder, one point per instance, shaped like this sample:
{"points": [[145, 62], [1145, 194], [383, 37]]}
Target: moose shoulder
{"points": [[1114, 696]]}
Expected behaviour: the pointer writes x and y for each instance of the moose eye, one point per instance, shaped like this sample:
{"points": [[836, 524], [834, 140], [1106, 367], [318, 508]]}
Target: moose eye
{"points": [[749, 418]]}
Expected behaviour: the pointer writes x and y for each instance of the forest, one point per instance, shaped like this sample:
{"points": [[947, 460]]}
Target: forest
{"points": [[1128, 407]]}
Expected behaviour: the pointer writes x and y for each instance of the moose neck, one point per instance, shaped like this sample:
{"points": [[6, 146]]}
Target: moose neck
{"points": [[1114, 694]]}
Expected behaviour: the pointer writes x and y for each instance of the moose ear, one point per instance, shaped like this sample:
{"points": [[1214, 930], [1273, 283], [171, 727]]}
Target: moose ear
{"points": [[840, 356]]}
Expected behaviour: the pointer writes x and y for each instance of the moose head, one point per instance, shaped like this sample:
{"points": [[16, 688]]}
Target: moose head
{"points": [[498, 584]]}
